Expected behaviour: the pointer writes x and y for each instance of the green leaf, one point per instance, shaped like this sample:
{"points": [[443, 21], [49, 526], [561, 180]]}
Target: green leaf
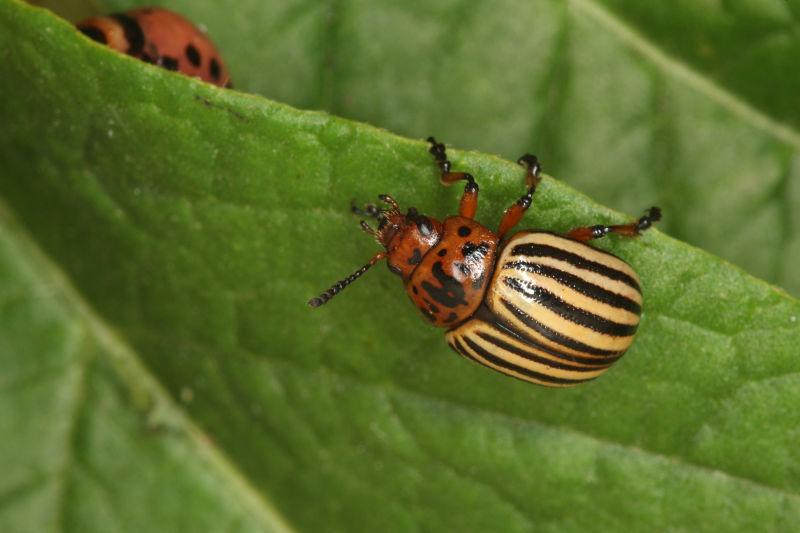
{"points": [[159, 238]]}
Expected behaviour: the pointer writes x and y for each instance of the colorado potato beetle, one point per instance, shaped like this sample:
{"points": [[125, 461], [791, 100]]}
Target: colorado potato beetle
{"points": [[161, 37], [540, 306]]}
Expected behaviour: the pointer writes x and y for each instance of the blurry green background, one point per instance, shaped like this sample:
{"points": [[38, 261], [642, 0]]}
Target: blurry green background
{"points": [[159, 369]]}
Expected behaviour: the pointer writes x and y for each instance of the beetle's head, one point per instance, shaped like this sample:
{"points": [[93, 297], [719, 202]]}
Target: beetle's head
{"points": [[406, 238]]}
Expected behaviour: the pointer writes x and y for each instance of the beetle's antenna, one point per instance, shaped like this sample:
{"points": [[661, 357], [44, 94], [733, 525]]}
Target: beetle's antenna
{"points": [[336, 288]]}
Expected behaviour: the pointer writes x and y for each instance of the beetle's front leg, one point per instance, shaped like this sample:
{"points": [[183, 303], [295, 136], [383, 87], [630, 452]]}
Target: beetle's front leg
{"points": [[469, 200]]}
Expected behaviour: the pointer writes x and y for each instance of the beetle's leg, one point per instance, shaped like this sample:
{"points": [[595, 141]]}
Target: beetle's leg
{"points": [[634, 229], [370, 210], [532, 178], [469, 200]]}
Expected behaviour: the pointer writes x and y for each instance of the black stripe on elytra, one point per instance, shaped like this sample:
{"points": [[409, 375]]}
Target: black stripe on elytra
{"points": [[453, 347], [545, 250], [551, 334], [459, 348], [502, 363], [568, 311], [133, 33], [578, 284], [504, 328], [516, 350]]}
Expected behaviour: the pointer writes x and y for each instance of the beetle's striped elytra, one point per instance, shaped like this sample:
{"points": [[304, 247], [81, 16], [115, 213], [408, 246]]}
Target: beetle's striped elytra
{"points": [[539, 306], [559, 312]]}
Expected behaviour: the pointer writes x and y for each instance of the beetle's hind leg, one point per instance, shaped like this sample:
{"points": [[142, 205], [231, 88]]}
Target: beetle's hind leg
{"points": [[469, 200], [634, 229], [532, 178]]}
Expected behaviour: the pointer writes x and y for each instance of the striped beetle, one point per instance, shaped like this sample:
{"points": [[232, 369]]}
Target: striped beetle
{"points": [[556, 311]]}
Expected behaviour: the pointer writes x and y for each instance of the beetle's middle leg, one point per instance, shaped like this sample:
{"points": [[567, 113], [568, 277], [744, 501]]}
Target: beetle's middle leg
{"points": [[469, 200], [532, 178]]}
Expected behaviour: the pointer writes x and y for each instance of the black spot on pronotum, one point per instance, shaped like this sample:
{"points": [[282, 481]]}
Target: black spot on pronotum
{"points": [[193, 55], [442, 252], [133, 33], [214, 68], [430, 316], [471, 248], [432, 307], [169, 63], [464, 231], [415, 258], [451, 317], [450, 294], [415, 289], [93, 33]]}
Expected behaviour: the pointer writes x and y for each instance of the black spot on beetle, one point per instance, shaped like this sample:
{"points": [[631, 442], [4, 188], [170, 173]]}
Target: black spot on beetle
{"points": [[430, 316], [450, 294], [433, 308], [133, 33], [214, 69], [464, 231], [471, 248], [193, 55], [451, 318], [94, 33], [415, 289], [415, 258], [442, 252], [169, 63]]}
